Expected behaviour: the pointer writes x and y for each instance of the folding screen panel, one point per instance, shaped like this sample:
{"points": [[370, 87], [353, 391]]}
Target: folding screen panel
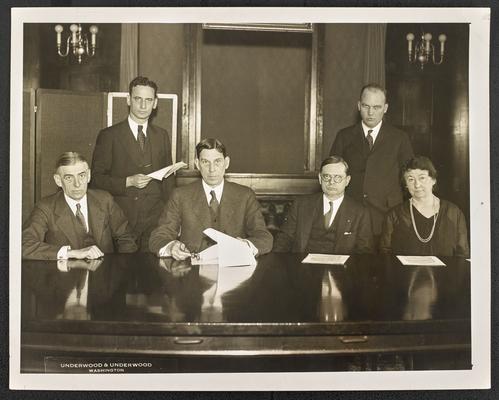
{"points": [[65, 121], [28, 162]]}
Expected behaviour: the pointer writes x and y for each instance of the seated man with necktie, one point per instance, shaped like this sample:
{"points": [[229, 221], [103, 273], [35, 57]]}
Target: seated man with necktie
{"points": [[327, 222], [211, 202], [75, 222]]}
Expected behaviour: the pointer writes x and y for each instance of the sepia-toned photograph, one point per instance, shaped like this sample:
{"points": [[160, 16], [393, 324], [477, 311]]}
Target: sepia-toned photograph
{"points": [[274, 199]]}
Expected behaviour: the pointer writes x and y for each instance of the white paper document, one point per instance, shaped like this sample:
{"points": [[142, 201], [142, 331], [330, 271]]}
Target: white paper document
{"points": [[333, 259], [228, 252], [430, 261], [163, 173]]}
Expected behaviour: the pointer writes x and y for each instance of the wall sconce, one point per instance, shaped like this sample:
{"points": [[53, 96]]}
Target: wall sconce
{"points": [[424, 51], [77, 41]]}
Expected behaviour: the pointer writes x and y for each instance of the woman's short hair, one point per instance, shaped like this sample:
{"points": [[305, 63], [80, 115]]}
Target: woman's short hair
{"points": [[419, 162], [209, 144], [69, 158], [334, 160]]}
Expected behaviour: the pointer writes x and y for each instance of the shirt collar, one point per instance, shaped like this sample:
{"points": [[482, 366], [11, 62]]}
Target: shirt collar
{"points": [[72, 202], [336, 203], [134, 126], [375, 130], [218, 190]]}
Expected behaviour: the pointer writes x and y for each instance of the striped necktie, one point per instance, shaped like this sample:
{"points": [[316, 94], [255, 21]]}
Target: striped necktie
{"points": [[370, 139], [327, 216], [80, 217], [141, 137], [214, 202]]}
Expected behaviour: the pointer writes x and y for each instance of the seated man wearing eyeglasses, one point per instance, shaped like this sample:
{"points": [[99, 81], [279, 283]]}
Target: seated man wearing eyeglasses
{"points": [[211, 202], [75, 222], [328, 222]]}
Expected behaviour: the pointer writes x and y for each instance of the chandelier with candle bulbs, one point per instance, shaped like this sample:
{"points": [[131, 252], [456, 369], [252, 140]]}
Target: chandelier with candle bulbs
{"points": [[423, 51], [77, 42]]}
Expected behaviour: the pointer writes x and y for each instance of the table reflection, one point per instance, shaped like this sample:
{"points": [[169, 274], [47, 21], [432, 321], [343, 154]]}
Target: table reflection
{"points": [[75, 306], [331, 305], [422, 294], [141, 288]]}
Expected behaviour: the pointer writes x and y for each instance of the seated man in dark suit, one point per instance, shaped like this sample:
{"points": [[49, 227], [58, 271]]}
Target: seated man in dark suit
{"points": [[211, 202], [327, 222], [75, 222]]}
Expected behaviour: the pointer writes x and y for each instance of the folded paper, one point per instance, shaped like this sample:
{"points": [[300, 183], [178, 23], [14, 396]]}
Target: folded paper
{"points": [[228, 252], [430, 261], [333, 259], [163, 173]]}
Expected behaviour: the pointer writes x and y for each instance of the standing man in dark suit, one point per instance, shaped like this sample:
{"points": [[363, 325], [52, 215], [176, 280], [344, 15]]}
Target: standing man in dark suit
{"points": [[75, 222], [375, 153], [211, 202], [126, 152], [327, 222]]}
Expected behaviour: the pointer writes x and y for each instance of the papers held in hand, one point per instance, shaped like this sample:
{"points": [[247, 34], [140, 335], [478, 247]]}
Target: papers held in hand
{"points": [[427, 261], [228, 252], [163, 173], [333, 259]]}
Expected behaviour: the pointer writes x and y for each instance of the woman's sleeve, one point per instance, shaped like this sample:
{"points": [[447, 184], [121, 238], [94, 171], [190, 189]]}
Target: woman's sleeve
{"points": [[385, 243], [462, 246]]}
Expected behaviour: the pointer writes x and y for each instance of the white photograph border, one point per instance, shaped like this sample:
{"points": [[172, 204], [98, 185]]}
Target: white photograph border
{"points": [[477, 377]]}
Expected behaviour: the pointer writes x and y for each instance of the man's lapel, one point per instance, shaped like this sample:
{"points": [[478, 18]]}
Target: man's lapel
{"points": [[156, 143], [360, 141], [199, 206], [381, 137], [96, 216], [130, 144], [226, 204], [64, 219], [308, 217], [343, 220]]}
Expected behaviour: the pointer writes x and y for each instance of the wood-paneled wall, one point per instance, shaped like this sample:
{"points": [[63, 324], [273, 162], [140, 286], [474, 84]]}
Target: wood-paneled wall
{"points": [[432, 104]]}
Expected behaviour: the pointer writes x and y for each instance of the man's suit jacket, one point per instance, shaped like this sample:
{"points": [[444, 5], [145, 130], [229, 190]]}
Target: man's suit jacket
{"points": [[187, 214], [376, 173], [351, 222], [117, 155], [50, 226]]}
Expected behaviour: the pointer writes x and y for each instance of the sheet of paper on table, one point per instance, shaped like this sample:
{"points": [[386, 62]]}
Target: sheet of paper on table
{"points": [[333, 259], [228, 252], [427, 261], [163, 173]]}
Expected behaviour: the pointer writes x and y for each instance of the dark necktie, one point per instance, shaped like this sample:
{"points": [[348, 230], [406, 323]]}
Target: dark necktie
{"points": [[327, 216], [370, 139], [214, 203], [80, 217], [141, 137]]}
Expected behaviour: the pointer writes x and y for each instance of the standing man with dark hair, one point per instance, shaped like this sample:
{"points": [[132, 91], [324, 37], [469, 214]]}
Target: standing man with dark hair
{"points": [[126, 152], [75, 222], [327, 222], [375, 152], [211, 202]]}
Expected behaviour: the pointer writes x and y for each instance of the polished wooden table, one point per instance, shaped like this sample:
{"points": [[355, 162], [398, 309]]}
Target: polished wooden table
{"points": [[138, 313]]}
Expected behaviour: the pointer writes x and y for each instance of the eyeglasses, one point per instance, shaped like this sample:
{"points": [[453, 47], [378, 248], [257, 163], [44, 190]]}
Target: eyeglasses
{"points": [[410, 180], [368, 108], [335, 178]]}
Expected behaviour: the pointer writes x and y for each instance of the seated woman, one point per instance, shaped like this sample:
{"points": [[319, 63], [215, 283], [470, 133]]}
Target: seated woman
{"points": [[425, 224]]}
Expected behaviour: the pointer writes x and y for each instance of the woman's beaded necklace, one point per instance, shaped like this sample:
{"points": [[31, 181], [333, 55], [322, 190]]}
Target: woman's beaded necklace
{"points": [[435, 216]]}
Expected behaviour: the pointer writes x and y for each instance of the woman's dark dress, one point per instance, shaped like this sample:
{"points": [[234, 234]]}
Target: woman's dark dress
{"points": [[449, 239]]}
